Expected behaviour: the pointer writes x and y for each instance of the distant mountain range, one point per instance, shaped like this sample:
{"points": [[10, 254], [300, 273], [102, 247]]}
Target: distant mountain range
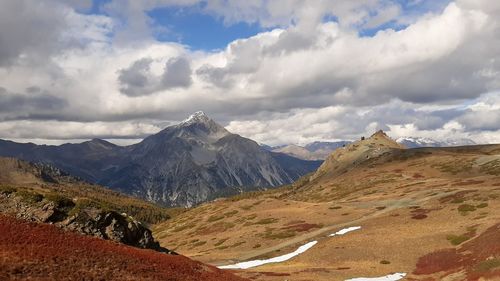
{"points": [[321, 150], [313, 151], [183, 165], [413, 142]]}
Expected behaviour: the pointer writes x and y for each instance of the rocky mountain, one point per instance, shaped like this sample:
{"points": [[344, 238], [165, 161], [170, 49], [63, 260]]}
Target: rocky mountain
{"points": [[183, 165], [413, 142], [355, 153], [298, 152]]}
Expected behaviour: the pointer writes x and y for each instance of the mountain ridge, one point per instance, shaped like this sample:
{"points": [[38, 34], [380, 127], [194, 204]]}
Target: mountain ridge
{"points": [[182, 165]]}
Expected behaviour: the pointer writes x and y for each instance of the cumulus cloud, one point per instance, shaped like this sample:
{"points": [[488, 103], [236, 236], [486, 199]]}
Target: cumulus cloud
{"points": [[138, 80], [399, 119], [177, 74], [35, 103], [323, 76]]}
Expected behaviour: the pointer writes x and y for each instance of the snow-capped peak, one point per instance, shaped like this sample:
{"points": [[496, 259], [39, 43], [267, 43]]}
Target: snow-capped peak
{"points": [[196, 117], [412, 142]]}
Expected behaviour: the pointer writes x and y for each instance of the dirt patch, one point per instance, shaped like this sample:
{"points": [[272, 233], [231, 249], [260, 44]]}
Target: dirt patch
{"points": [[274, 273], [459, 196]]}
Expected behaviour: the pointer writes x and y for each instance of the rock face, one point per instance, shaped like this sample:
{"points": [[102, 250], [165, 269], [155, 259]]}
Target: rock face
{"points": [[113, 226], [107, 225], [183, 165]]}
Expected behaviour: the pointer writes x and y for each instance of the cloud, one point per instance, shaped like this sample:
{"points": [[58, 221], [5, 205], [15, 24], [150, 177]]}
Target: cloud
{"points": [[177, 74], [60, 130], [399, 119], [35, 104], [310, 68], [20, 38], [138, 79]]}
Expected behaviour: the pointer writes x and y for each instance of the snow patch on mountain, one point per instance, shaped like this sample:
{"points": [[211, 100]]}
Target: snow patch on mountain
{"points": [[413, 142]]}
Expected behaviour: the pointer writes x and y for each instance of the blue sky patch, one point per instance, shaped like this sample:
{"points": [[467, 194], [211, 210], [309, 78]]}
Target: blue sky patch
{"points": [[199, 31]]}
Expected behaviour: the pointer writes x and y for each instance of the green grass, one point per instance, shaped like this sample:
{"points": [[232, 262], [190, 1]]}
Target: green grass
{"points": [[29, 197], [6, 190], [237, 244], [220, 242], [466, 208], [280, 235], [59, 200], [199, 243], [184, 227], [458, 201], [488, 265], [457, 239], [231, 213], [266, 221], [482, 205], [213, 218]]}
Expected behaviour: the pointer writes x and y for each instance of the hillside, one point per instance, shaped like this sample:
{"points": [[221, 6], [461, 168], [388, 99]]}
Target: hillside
{"points": [[186, 164], [30, 251], [373, 210], [32, 178], [56, 227]]}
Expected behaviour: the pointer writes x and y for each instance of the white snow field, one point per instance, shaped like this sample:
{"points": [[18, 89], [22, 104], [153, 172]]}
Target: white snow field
{"points": [[390, 277], [254, 263], [345, 230]]}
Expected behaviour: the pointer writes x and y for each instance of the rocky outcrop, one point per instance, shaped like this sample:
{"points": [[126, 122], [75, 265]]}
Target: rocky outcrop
{"points": [[107, 225]]}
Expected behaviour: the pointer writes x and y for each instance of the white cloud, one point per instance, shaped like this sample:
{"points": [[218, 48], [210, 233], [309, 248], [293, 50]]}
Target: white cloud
{"points": [[307, 80]]}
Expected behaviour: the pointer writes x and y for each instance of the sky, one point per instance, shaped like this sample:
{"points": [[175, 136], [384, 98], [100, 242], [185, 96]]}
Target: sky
{"points": [[276, 71]]}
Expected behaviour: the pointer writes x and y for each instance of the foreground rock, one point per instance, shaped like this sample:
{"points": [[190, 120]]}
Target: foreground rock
{"points": [[63, 213]]}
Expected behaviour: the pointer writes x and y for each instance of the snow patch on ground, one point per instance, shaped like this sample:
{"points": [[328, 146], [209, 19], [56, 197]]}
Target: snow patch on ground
{"points": [[391, 277], [254, 263], [345, 230]]}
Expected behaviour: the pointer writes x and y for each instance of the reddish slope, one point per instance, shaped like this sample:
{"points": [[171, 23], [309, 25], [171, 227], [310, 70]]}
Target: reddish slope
{"points": [[43, 252]]}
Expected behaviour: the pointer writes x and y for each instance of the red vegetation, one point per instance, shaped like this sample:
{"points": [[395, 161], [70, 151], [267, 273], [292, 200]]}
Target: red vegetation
{"points": [[30, 251], [417, 176], [470, 257], [419, 214]]}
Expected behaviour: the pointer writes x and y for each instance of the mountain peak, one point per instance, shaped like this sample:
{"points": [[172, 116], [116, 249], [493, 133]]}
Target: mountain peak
{"points": [[197, 117], [200, 124], [101, 143], [379, 133]]}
